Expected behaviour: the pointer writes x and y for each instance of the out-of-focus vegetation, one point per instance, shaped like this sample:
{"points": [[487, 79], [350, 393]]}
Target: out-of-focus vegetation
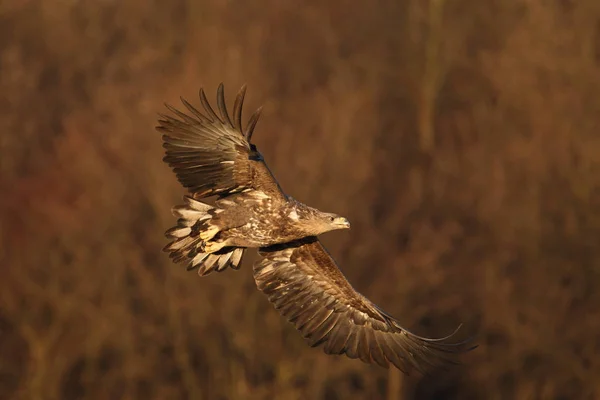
{"points": [[461, 138]]}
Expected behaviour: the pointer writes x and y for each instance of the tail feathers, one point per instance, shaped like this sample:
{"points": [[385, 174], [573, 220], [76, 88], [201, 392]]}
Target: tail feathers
{"points": [[188, 240], [209, 262], [217, 261]]}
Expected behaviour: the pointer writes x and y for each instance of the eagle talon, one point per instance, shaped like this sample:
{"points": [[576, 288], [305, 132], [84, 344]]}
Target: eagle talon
{"points": [[212, 247], [209, 233]]}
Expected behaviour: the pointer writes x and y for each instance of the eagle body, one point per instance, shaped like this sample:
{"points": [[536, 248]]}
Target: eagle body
{"points": [[252, 219], [212, 156]]}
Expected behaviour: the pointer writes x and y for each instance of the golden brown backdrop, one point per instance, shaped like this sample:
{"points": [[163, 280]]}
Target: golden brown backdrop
{"points": [[461, 138]]}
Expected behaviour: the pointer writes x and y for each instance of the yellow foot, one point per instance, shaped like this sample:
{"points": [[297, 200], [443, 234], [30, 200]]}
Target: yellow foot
{"points": [[212, 247], [209, 233]]}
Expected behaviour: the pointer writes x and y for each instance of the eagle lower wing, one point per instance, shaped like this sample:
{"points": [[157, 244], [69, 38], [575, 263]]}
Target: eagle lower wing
{"points": [[211, 154], [306, 286]]}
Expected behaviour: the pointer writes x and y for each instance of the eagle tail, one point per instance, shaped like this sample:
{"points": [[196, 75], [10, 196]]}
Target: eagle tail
{"points": [[190, 236]]}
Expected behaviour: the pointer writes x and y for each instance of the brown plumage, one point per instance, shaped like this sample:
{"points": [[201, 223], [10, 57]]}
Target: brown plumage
{"points": [[211, 155]]}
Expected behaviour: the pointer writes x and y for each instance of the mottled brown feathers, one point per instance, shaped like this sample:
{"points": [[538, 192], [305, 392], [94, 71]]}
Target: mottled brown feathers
{"points": [[306, 286], [187, 246], [211, 154]]}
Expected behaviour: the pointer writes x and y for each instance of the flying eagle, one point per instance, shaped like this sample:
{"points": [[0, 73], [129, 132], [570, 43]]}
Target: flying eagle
{"points": [[212, 155]]}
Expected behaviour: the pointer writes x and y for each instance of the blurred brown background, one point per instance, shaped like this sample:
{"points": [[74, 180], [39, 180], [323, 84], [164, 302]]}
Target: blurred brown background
{"points": [[460, 138]]}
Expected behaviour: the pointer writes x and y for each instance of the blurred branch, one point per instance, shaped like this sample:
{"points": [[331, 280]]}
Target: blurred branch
{"points": [[431, 77], [42, 337], [395, 383], [179, 341]]}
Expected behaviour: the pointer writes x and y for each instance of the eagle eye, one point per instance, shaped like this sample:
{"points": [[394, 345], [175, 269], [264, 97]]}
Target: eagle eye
{"points": [[332, 219]]}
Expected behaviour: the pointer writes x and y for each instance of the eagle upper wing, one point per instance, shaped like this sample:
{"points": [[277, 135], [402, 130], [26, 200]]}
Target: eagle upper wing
{"points": [[306, 286], [211, 154]]}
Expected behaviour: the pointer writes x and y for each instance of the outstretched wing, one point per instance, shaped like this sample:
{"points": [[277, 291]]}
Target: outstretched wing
{"points": [[306, 286], [211, 154]]}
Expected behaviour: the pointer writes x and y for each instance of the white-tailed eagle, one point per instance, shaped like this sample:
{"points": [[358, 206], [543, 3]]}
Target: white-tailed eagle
{"points": [[212, 155]]}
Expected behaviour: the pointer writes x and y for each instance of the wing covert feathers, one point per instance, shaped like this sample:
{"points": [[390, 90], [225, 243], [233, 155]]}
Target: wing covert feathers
{"points": [[210, 151], [305, 285]]}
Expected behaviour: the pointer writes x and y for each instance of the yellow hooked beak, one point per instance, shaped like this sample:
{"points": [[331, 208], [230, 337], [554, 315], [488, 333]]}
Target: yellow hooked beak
{"points": [[342, 222]]}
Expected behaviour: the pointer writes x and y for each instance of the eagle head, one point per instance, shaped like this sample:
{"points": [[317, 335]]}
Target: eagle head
{"points": [[315, 222], [336, 222]]}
